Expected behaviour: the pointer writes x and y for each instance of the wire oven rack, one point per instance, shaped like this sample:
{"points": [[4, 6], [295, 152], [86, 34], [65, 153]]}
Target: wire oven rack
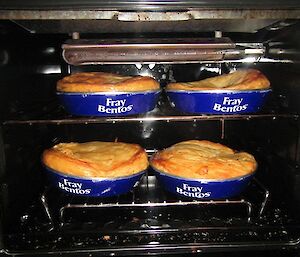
{"points": [[132, 223], [148, 194], [150, 220]]}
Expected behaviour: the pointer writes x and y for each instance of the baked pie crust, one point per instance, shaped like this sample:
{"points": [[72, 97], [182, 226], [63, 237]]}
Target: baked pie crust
{"points": [[249, 79], [96, 159], [88, 82], [203, 160]]}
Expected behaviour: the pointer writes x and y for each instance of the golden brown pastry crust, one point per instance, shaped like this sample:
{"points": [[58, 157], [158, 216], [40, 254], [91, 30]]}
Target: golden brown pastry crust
{"points": [[96, 159], [239, 80], [87, 82], [203, 160]]}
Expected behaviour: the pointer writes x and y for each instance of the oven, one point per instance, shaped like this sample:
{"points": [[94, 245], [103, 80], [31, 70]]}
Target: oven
{"points": [[41, 42]]}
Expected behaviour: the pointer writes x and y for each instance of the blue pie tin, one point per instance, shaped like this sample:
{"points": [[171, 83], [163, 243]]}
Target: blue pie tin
{"points": [[109, 103], [100, 187], [218, 101], [203, 189]]}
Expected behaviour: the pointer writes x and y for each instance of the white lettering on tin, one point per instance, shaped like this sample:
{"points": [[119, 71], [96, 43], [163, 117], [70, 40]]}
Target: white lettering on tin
{"points": [[192, 191], [114, 106], [73, 187], [230, 105]]}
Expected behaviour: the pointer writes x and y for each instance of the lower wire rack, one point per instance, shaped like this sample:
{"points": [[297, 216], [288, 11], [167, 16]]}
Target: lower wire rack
{"points": [[150, 220], [147, 195]]}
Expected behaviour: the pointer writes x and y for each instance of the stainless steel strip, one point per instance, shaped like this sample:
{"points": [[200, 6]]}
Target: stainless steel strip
{"points": [[248, 59], [165, 43], [150, 16]]}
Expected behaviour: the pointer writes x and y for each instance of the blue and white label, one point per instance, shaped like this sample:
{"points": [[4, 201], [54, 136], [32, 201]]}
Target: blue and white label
{"points": [[115, 106], [192, 191], [229, 105], [73, 187]]}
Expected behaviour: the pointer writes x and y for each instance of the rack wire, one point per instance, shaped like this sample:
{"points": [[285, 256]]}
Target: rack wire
{"points": [[150, 118], [149, 184]]}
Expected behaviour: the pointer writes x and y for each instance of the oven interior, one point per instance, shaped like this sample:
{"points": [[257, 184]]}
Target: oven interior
{"points": [[36, 218]]}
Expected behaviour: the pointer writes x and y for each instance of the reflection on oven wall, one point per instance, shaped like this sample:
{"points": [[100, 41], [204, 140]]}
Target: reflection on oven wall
{"points": [[31, 95]]}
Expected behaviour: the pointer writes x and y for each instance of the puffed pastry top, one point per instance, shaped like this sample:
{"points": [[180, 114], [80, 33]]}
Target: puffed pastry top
{"points": [[92, 82], [203, 160], [96, 159], [248, 79]]}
